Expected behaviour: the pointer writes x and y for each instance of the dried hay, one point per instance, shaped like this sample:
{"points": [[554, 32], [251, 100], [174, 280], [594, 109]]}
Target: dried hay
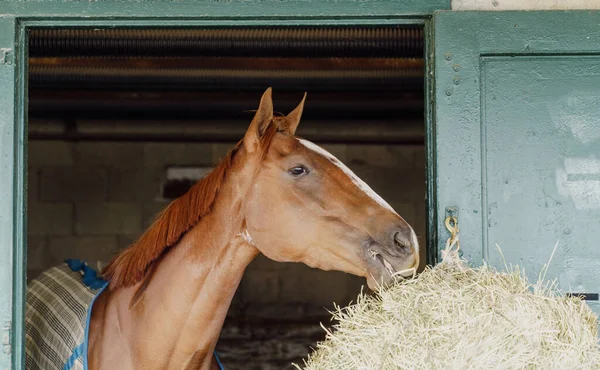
{"points": [[453, 316]]}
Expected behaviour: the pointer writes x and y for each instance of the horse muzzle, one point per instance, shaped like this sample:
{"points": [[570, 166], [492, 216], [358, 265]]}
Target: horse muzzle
{"points": [[394, 257]]}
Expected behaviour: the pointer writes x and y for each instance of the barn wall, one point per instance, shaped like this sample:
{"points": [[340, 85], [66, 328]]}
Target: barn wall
{"points": [[90, 199], [524, 4]]}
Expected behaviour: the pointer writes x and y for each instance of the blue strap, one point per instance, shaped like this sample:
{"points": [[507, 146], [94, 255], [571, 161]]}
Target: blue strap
{"points": [[74, 356], [90, 276], [218, 361], [87, 329]]}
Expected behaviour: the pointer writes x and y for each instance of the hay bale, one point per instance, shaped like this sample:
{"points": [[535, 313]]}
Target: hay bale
{"points": [[453, 316]]}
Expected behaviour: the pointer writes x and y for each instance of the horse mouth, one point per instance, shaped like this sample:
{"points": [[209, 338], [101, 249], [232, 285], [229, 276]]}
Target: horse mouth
{"points": [[380, 260]]}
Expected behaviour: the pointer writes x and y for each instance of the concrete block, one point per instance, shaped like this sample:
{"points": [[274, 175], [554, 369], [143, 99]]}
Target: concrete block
{"points": [[50, 219], [33, 180], [73, 184], [262, 263], [303, 284], [390, 156], [421, 211], [420, 158], [119, 155], [219, 150], [414, 187], [89, 248], [46, 126], [168, 154], [49, 153], [407, 211], [355, 285], [32, 274], [150, 211], [142, 184], [108, 218], [260, 286], [37, 250], [394, 185], [124, 241], [237, 302], [338, 150]]}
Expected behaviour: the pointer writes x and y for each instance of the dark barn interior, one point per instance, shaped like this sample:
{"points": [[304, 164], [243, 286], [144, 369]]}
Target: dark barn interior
{"points": [[121, 121]]}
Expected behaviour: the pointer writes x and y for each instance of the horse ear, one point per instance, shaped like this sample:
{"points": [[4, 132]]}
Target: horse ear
{"points": [[259, 123], [293, 118]]}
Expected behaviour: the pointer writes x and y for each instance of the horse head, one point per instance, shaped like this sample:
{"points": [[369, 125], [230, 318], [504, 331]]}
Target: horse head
{"points": [[304, 205]]}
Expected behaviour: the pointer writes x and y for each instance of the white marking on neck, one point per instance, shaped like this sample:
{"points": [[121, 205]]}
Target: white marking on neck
{"points": [[355, 179], [246, 236]]}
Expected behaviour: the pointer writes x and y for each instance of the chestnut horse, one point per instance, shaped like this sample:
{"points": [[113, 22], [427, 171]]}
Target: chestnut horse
{"points": [[274, 193]]}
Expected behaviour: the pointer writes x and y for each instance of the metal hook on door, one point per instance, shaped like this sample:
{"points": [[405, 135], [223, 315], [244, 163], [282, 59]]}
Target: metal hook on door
{"points": [[451, 223]]}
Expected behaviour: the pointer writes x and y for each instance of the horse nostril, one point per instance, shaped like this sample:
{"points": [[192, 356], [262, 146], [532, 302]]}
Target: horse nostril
{"points": [[402, 243]]}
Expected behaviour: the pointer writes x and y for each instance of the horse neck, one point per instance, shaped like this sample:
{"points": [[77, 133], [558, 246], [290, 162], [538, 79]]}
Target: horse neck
{"points": [[181, 312]]}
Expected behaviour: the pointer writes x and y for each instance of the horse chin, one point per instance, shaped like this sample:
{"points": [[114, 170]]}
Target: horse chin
{"points": [[372, 284], [376, 283]]}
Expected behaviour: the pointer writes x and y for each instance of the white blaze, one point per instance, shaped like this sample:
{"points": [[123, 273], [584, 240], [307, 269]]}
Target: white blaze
{"points": [[355, 179]]}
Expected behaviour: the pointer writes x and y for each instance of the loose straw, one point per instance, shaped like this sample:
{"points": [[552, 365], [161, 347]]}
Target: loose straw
{"points": [[453, 316]]}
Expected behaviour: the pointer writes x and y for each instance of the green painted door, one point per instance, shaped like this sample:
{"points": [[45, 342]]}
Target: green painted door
{"points": [[517, 140]]}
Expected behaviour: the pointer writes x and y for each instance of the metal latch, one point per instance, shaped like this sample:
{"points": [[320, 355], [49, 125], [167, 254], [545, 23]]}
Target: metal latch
{"points": [[452, 212]]}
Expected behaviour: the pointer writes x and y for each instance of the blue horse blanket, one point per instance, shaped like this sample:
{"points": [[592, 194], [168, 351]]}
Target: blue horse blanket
{"points": [[58, 309], [57, 316]]}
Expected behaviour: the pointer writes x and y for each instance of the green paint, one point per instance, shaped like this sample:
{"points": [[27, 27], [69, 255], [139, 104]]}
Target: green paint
{"points": [[251, 22], [20, 203], [8, 147], [518, 139], [236, 10]]}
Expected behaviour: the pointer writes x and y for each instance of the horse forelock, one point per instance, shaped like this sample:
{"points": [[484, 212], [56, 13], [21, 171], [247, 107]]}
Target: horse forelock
{"points": [[171, 224]]}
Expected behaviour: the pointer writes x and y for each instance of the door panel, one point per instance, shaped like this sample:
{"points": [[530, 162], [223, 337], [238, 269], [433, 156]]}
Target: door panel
{"points": [[542, 164], [517, 120]]}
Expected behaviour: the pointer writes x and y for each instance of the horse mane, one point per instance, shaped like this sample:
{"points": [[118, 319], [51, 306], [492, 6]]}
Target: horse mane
{"points": [[136, 261]]}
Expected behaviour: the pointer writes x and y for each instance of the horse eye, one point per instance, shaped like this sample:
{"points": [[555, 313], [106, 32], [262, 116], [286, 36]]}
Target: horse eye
{"points": [[298, 171]]}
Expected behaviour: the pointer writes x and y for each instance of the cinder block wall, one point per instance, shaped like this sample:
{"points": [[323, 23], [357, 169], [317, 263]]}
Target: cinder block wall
{"points": [[90, 199]]}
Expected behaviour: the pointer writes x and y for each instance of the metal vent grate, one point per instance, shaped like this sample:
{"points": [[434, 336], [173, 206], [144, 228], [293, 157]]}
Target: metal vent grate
{"points": [[315, 59], [365, 84], [342, 42]]}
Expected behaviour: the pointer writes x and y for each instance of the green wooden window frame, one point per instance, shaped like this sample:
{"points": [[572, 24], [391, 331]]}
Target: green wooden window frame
{"points": [[18, 17]]}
